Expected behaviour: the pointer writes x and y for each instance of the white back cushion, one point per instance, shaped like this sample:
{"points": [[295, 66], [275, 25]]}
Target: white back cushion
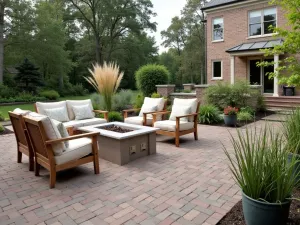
{"points": [[41, 106], [50, 130], [178, 110], [60, 114], [71, 103], [187, 102], [62, 130], [159, 103]]}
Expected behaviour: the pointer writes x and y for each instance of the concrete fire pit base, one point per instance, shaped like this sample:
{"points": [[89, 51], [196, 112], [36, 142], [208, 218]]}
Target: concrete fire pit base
{"points": [[121, 148]]}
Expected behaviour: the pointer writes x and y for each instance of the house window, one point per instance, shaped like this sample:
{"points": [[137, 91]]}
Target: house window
{"points": [[260, 21], [218, 29], [217, 69]]}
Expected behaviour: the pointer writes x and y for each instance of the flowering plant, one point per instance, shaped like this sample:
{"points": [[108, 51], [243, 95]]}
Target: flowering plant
{"points": [[230, 111]]}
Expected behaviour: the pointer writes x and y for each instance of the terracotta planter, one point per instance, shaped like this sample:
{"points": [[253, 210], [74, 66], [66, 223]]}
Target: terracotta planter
{"points": [[230, 120]]}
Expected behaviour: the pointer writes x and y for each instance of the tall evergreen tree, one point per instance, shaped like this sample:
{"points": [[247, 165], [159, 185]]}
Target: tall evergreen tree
{"points": [[28, 76]]}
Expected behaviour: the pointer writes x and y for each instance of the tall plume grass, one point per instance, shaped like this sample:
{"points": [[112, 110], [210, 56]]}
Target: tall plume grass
{"points": [[106, 80]]}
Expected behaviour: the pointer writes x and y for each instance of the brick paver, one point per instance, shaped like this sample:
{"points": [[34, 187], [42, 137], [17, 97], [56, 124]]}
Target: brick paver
{"points": [[186, 185]]}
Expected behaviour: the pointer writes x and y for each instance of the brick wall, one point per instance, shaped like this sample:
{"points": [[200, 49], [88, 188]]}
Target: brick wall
{"points": [[235, 33]]}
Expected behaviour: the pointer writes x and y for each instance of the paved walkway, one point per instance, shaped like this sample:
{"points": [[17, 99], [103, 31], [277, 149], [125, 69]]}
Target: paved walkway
{"points": [[186, 185]]}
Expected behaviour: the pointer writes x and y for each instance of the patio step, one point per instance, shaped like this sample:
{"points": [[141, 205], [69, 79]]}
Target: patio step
{"points": [[282, 102]]}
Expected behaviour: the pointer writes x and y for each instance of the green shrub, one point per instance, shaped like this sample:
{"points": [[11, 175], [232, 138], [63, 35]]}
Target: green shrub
{"points": [[244, 116], [97, 101], [50, 94], [78, 90], [248, 109], [115, 117], [237, 95], [261, 104], [139, 100], [149, 76], [260, 166], [155, 95], [2, 129], [7, 92], [209, 114], [291, 132], [2, 118], [122, 100]]}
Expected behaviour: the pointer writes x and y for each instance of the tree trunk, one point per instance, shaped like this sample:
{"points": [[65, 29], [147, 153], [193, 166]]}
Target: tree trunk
{"points": [[2, 8], [98, 50]]}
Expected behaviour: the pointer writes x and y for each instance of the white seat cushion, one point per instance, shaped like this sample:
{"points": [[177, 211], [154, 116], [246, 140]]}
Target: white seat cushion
{"points": [[21, 112], [137, 120], [82, 123], [189, 103], [78, 148], [41, 106], [169, 125], [72, 103]]}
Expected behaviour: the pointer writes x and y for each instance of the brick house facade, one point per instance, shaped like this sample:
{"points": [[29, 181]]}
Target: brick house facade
{"points": [[236, 31]]}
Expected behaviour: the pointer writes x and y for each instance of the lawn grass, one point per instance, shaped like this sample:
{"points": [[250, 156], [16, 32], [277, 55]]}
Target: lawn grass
{"points": [[4, 109]]}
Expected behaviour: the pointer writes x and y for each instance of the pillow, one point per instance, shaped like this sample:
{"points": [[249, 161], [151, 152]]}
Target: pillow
{"points": [[159, 103], [146, 109], [50, 130], [193, 102], [178, 110], [21, 112], [62, 130], [41, 106], [82, 112], [60, 114], [71, 103]]}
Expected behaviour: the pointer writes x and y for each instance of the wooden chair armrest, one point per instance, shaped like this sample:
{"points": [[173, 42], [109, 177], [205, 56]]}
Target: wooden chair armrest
{"points": [[154, 115], [192, 114], [125, 112], [55, 141], [105, 113]]}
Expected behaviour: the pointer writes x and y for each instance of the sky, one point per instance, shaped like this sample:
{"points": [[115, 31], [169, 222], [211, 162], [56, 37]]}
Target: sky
{"points": [[166, 10]]}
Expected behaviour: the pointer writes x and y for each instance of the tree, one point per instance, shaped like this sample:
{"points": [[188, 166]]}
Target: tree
{"points": [[288, 71], [3, 5], [28, 77], [110, 20], [175, 36], [171, 60]]}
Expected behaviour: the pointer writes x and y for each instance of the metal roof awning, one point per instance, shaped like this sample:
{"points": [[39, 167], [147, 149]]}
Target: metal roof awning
{"points": [[252, 46]]}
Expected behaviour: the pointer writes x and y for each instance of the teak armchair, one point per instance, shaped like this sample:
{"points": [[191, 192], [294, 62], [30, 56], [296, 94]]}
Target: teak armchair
{"points": [[177, 128], [23, 142], [44, 155], [143, 118]]}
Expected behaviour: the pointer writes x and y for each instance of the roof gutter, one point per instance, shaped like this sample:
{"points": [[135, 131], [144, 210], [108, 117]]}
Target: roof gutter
{"points": [[223, 4]]}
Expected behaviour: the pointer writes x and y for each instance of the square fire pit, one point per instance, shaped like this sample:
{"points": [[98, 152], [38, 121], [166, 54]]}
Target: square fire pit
{"points": [[121, 143]]}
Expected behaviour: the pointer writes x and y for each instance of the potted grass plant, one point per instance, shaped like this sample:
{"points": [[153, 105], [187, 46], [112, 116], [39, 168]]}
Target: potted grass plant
{"points": [[259, 166], [230, 116], [291, 132]]}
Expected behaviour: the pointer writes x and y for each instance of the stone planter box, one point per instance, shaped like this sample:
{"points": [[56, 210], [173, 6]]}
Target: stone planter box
{"points": [[122, 148]]}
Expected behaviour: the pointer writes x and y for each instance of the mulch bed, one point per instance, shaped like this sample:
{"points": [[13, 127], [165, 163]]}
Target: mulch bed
{"points": [[115, 128], [236, 217], [6, 131]]}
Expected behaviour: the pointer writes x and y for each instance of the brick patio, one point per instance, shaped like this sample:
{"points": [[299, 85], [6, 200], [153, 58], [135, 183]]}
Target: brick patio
{"points": [[186, 185]]}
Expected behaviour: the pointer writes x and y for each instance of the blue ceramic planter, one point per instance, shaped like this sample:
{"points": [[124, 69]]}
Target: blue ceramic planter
{"points": [[230, 120]]}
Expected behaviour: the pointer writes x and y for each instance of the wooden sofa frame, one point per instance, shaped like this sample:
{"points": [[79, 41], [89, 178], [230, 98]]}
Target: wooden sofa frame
{"points": [[22, 138], [43, 152], [177, 133]]}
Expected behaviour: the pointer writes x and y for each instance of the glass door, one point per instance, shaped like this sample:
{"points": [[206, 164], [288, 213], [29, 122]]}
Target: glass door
{"points": [[254, 72], [268, 83]]}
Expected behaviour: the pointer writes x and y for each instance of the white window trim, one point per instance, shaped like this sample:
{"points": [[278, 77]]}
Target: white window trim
{"points": [[212, 69], [262, 23], [212, 26]]}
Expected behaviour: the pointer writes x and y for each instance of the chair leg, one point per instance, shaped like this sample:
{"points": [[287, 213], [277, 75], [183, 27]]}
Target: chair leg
{"points": [[95, 153], [96, 165], [52, 178], [19, 156], [177, 140], [196, 134], [37, 168], [31, 164]]}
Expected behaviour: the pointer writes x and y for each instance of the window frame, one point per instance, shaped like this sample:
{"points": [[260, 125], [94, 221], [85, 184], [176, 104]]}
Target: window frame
{"points": [[213, 77], [262, 22], [213, 29]]}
